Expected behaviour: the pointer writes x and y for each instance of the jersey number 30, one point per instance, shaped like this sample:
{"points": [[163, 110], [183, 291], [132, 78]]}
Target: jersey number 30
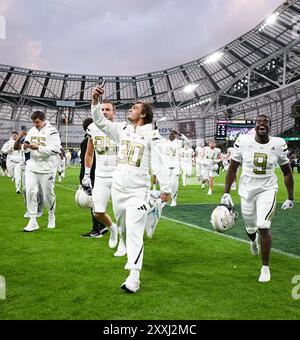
{"points": [[260, 162], [131, 153]]}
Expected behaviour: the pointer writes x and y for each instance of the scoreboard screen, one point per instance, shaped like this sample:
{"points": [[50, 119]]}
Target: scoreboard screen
{"points": [[231, 129]]}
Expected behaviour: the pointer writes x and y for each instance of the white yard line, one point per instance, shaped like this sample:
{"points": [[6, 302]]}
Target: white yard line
{"points": [[64, 187], [226, 236]]}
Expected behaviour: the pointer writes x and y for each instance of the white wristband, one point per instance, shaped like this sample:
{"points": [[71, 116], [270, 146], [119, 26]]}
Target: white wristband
{"points": [[87, 171]]}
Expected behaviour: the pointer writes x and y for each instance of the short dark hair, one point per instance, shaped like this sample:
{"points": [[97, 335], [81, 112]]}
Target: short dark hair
{"points": [[109, 102], [14, 132], [148, 111], [87, 122], [38, 115]]}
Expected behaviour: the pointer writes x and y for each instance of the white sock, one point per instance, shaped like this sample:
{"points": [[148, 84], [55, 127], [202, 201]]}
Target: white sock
{"points": [[135, 274], [113, 228]]}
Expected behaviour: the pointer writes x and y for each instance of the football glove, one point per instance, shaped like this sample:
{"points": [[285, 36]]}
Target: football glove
{"points": [[288, 204], [227, 200], [86, 182]]}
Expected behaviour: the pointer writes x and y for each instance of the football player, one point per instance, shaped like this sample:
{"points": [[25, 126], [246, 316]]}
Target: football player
{"points": [[259, 155], [19, 145], [212, 158], [199, 161], [186, 159], [14, 162], [173, 149], [43, 143], [106, 161], [229, 154], [140, 150]]}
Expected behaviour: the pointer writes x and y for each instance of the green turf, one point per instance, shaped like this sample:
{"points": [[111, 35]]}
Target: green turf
{"points": [[187, 273]]}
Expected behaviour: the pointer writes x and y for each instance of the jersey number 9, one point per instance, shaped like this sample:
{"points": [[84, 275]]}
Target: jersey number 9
{"points": [[260, 162]]}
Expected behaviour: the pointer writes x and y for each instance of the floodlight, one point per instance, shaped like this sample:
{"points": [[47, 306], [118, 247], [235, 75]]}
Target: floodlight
{"points": [[214, 57], [190, 88], [272, 18]]}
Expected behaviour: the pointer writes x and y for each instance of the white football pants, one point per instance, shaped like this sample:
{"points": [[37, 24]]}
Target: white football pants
{"points": [[14, 170], [131, 214], [44, 183], [174, 179], [258, 212]]}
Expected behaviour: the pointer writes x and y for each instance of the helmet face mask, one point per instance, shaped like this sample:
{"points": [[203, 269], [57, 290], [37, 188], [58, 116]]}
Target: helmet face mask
{"points": [[223, 218], [83, 198]]}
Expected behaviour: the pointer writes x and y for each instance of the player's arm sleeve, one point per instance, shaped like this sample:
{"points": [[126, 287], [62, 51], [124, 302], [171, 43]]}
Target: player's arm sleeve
{"points": [[237, 153], [5, 147], [283, 153], [110, 128], [184, 138], [54, 145], [159, 164]]}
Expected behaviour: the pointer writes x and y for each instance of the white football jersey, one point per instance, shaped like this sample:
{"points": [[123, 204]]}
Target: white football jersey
{"points": [[199, 154], [42, 160], [211, 155], [106, 151], [141, 151], [12, 155], [187, 155], [259, 162], [173, 149]]}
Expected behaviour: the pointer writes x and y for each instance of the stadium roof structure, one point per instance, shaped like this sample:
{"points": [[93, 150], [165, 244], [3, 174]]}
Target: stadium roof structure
{"points": [[259, 70]]}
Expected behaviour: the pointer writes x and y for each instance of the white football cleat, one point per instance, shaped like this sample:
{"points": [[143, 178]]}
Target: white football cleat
{"points": [[51, 222], [121, 251], [209, 192], [113, 239], [202, 186], [254, 247], [131, 285], [265, 275], [31, 226]]}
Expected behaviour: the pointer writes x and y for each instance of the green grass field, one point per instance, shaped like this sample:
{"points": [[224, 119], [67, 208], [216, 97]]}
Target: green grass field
{"points": [[188, 273]]}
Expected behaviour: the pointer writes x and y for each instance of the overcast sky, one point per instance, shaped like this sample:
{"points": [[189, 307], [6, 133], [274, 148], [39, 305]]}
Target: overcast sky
{"points": [[122, 37]]}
